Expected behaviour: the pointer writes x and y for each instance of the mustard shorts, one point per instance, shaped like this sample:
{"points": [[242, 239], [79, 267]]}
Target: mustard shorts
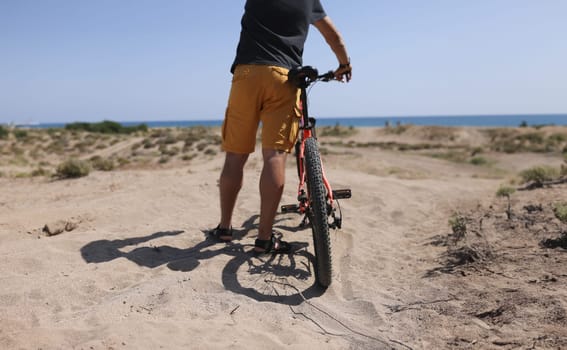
{"points": [[261, 93]]}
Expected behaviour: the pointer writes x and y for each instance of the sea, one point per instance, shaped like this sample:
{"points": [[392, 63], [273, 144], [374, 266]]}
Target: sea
{"points": [[467, 120]]}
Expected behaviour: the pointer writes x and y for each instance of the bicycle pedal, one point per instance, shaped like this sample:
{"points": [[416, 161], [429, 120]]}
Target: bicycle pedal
{"points": [[342, 194], [290, 208]]}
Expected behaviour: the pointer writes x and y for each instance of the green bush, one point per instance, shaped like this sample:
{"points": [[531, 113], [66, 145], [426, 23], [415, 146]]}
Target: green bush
{"points": [[557, 138], [478, 161], [201, 146], [3, 133], [210, 152], [157, 133], [40, 172], [101, 164], [539, 174], [532, 137], [106, 127], [122, 161], [397, 130], [20, 134], [147, 143], [560, 211], [458, 224], [72, 168], [188, 157], [511, 141], [173, 151], [476, 151], [451, 155], [505, 191], [337, 131], [168, 140]]}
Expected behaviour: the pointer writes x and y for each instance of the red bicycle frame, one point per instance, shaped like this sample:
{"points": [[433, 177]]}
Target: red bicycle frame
{"points": [[302, 78], [307, 130]]}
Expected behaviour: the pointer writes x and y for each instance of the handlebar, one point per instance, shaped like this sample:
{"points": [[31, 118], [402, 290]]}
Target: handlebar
{"points": [[302, 77], [330, 75]]}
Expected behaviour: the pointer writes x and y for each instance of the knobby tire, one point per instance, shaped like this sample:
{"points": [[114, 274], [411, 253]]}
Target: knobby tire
{"points": [[318, 213]]}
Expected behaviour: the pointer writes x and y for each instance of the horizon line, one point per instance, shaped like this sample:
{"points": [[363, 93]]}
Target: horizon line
{"points": [[32, 122]]}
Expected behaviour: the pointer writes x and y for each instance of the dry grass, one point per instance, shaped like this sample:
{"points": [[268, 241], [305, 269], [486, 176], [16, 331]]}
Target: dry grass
{"points": [[39, 152], [26, 151]]}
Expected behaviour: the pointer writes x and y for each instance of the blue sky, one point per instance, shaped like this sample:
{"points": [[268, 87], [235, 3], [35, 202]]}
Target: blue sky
{"points": [[141, 60]]}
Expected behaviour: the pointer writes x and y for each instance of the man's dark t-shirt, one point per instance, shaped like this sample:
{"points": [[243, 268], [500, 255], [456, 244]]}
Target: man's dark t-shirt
{"points": [[274, 31]]}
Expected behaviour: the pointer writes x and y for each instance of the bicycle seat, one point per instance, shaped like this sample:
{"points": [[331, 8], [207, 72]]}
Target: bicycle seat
{"points": [[298, 75]]}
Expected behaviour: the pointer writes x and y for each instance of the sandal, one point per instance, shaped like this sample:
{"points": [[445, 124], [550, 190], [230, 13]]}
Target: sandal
{"points": [[221, 234], [273, 245]]}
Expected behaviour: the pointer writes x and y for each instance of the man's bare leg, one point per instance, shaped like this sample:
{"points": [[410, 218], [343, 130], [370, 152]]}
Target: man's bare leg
{"points": [[272, 182], [230, 184]]}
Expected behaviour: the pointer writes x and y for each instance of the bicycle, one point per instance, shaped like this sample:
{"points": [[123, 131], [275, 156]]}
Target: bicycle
{"points": [[318, 202]]}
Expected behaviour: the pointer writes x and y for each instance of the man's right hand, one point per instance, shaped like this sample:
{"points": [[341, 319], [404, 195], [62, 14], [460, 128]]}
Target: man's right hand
{"points": [[344, 72]]}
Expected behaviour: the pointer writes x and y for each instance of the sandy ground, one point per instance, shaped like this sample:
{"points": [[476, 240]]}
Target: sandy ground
{"points": [[136, 270]]}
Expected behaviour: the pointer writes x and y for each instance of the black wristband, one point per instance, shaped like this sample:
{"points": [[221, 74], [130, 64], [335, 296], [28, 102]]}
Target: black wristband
{"points": [[344, 65]]}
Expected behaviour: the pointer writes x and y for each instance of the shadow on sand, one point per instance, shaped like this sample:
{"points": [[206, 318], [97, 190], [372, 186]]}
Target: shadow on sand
{"points": [[266, 271]]}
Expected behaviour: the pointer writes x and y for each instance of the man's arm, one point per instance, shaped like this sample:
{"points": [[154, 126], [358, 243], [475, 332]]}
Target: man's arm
{"points": [[335, 41]]}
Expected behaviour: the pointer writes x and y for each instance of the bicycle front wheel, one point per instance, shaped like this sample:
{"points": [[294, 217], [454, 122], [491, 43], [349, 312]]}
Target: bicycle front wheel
{"points": [[318, 213]]}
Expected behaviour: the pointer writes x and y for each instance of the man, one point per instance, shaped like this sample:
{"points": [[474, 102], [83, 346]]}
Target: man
{"points": [[271, 42]]}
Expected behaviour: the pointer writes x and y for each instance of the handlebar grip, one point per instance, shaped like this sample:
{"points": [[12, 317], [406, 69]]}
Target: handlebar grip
{"points": [[330, 75]]}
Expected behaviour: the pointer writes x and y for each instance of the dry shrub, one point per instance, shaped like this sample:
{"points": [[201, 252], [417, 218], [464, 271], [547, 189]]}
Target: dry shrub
{"points": [[102, 164], [451, 155], [540, 174], [560, 211], [478, 161], [148, 143], [20, 134], [458, 224], [40, 172], [72, 168], [4, 133], [210, 152], [337, 131], [188, 157], [398, 129]]}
